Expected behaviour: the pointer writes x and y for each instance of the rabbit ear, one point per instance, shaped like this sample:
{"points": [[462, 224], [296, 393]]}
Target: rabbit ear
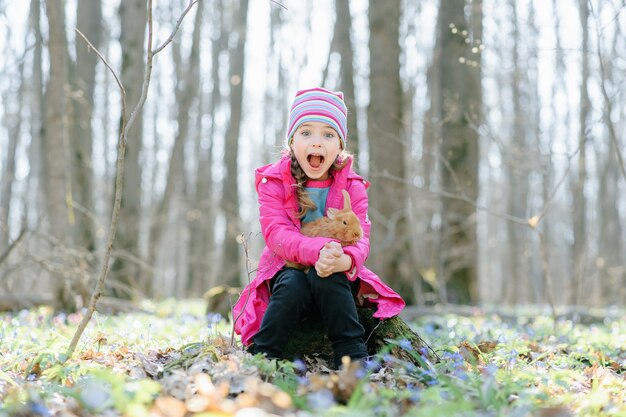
{"points": [[346, 200], [332, 213]]}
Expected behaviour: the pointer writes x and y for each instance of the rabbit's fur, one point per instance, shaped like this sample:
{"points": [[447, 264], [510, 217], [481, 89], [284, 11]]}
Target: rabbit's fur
{"points": [[342, 225]]}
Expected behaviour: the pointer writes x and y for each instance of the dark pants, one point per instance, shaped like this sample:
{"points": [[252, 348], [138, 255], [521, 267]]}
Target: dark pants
{"points": [[296, 294]]}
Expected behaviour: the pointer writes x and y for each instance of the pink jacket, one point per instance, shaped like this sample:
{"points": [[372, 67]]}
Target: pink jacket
{"points": [[280, 226]]}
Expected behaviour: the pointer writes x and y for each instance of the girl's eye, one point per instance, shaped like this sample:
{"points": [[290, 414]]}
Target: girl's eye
{"points": [[330, 135], [305, 133]]}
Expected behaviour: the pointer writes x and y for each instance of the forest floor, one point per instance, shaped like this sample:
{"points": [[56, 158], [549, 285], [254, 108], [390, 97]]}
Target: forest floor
{"points": [[172, 360]]}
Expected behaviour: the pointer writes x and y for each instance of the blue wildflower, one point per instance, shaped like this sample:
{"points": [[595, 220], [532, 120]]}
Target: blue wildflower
{"points": [[300, 365], [321, 400], [405, 344]]}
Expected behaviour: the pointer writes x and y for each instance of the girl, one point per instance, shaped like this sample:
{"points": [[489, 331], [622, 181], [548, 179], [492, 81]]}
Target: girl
{"points": [[299, 188]]}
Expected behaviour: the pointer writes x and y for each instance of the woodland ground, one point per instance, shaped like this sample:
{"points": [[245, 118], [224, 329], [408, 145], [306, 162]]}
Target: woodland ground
{"points": [[172, 360]]}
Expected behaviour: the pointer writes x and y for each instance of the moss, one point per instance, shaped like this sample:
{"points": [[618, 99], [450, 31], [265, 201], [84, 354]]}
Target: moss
{"points": [[310, 338]]}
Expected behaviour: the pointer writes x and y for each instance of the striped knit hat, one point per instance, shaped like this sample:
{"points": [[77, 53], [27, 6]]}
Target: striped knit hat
{"points": [[319, 105]]}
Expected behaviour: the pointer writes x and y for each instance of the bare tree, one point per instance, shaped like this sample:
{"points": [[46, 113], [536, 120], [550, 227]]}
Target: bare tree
{"points": [[127, 122], [89, 20], [203, 249], [518, 256], [13, 123], [343, 44], [387, 211], [186, 94], [125, 271], [36, 103], [274, 108], [579, 222], [55, 145], [230, 200], [607, 286], [461, 113]]}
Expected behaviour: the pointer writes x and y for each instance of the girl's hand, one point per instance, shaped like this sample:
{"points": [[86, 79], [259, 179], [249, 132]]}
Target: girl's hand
{"points": [[331, 260]]}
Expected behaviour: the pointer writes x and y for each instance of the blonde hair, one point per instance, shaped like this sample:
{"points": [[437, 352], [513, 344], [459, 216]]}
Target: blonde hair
{"points": [[304, 201]]}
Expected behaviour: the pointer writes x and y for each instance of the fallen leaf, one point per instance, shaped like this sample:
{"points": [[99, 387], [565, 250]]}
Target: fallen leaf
{"points": [[487, 346], [170, 407], [197, 403], [204, 385]]}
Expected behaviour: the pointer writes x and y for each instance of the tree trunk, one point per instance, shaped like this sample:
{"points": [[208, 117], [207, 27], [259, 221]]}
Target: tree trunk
{"points": [[36, 100], [230, 201], [387, 210], [125, 273], [517, 281], [55, 158], [89, 20], [461, 114], [343, 30], [186, 93], [7, 177], [203, 250], [579, 250], [534, 131], [280, 94], [611, 257]]}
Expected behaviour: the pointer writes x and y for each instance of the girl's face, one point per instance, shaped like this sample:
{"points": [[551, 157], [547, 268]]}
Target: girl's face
{"points": [[316, 145]]}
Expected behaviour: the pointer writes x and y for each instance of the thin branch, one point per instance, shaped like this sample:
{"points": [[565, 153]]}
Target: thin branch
{"points": [[106, 63], [461, 197], [12, 246], [244, 242], [280, 4], [178, 23], [119, 178]]}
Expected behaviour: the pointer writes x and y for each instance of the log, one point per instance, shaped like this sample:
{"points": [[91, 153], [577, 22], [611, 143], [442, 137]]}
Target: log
{"points": [[220, 299], [18, 302], [310, 339]]}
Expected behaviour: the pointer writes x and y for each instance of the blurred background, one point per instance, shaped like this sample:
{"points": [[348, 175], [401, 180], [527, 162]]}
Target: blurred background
{"points": [[492, 133]]}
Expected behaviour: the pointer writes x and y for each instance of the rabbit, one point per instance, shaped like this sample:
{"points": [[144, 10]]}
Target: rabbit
{"points": [[342, 225]]}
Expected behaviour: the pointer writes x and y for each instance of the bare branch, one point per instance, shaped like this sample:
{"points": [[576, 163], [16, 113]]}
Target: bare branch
{"points": [[280, 4], [119, 177], [12, 246], [106, 63], [180, 20], [244, 242], [460, 197]]}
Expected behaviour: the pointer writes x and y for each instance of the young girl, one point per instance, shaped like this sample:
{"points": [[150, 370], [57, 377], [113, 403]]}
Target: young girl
{"points": [[299, 188]]}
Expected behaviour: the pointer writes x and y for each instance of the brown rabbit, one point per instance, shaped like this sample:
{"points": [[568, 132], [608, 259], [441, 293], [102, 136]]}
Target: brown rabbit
{"points": [[342, 225]]}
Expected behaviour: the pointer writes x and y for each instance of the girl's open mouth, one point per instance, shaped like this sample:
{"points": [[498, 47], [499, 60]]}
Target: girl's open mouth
{"points": [[315, 160]]}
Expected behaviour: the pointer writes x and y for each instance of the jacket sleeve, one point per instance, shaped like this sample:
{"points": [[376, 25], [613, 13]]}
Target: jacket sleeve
{"points": [[281, 235], [361, 250]]}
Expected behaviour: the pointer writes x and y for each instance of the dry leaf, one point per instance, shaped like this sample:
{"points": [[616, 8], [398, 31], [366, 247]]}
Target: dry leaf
{"points": [[245, 400], [487, 346], [470, 353], [534, 221], [197, 403], [204, 385], [170, 407], [281, 399]]}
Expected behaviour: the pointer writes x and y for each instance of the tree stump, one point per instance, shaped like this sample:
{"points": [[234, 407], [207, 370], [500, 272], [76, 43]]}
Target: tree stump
{"points": [[310, 338]]}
